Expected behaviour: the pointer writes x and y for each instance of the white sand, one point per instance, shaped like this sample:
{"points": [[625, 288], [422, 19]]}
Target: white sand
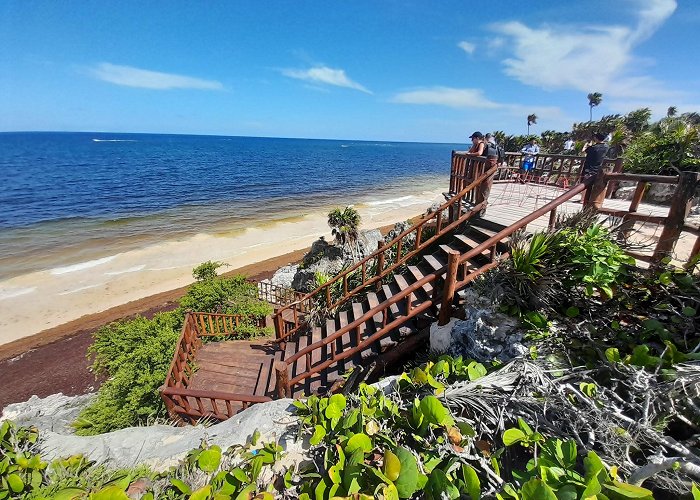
{"points": [[36, 301]]}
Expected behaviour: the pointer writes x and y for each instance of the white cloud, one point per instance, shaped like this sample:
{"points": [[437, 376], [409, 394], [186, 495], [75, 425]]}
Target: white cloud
{"points": [[129, 76], [325, 75], [588, 58], [446, 96], [469, 98], [467, 47]]}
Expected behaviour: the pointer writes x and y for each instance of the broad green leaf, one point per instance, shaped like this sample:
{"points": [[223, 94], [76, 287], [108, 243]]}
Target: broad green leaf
{"points": [[209, 459], [567, 492], [612, 354], [359, 441], [536, 489], [689, 311], [392, 465], [512, 436], [629, 490], [390, 492], [696, 492], [181, 486], [572, 311], [15, 482], [68, 494], [407, 482], [434, 412], [255, 437], [471, 480], [439, 485], [319, 434], [336, 405], [475, 370], [116, 493]]}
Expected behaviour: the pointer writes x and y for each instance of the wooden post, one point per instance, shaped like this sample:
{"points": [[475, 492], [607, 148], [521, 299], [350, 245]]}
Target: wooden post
{"points": [[380, 265], [448, 293], [281, 379], [680, 207], [612, 187], [279, 325], [595, 195]]}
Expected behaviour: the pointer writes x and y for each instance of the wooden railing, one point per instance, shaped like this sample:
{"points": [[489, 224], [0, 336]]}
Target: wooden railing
{"points": [[673, 223], [189, 405], [444, 281], [559, 169], [389, 256], [277, 295]]}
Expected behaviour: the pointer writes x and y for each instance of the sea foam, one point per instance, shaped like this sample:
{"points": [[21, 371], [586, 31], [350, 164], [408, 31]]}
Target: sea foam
{"points": [[389, 202], [82, 265], [125, 271]]}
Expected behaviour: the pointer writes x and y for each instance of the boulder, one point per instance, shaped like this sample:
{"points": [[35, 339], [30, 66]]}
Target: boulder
{"points": [[484, 335], [163, 446], [53, 413], [284, 275], [322, 258], [625, 193], [660, 193], [368, 242]]}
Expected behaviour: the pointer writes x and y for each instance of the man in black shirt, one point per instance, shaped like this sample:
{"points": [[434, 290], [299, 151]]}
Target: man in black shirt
{"points": [[595, 154]]}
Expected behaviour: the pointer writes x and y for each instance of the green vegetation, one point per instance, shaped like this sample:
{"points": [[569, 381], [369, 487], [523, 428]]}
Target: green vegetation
{"points": [[135, 354], [345, 225]]}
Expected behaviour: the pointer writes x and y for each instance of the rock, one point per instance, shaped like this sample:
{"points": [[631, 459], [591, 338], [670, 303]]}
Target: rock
{"points": [[322, 258], [484, 335], [162, 446], [368, 242], [284, 275], [53, 413], [660, 193], [441, 336], [625, 193]]}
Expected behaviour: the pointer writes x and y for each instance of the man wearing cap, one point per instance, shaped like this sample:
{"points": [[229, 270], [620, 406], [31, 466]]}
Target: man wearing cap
{"points": [[478, 145]]}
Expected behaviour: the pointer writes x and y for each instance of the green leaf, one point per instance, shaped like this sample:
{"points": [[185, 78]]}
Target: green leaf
{"points": [[696, 492], [407, 482], [15, 482], [390, 492], [471, 480], [181, 486], [612, 354], [336, 405], [68, 494], [209, 459], [628, 490], [572, 311], [434, 412], [319, 434], [689, 311], [255, 437], [536, 489], [116, 493], [512, 436], [392, 465], [359, 441], [475, 370], [439, 484]]}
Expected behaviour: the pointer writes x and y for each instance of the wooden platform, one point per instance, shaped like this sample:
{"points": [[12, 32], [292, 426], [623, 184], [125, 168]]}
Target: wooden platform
{"points": [[236, 366]]}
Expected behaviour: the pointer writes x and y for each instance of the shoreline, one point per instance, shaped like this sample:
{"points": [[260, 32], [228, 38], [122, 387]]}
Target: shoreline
{"points": [[86, 312]]}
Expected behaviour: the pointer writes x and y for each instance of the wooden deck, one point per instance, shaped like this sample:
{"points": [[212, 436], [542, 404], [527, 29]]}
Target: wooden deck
{"points": [[236, 366]]}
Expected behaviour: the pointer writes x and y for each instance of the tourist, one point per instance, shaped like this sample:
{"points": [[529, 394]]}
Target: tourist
{"points": [[530, 151], [478, 145], [595, 154], [569, 145]]}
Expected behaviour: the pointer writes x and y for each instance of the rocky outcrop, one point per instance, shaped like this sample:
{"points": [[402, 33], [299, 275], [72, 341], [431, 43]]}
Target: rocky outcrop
{"points": [[484, 335], [284, 276], [159, 446], [53, 413]]}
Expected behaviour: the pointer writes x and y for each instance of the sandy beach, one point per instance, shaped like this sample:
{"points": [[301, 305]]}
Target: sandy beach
{"points": [[38, 301]]}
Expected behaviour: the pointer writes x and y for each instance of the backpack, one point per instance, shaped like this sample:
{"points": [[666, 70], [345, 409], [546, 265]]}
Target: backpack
{"points": [[495, 150]]}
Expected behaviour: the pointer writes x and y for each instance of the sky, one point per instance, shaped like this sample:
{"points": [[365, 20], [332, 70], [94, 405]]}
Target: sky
{"points": [[364, 69]]}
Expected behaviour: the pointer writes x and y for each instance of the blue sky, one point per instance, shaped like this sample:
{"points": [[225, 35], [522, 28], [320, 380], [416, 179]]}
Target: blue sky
{"points": [[375, 70]]}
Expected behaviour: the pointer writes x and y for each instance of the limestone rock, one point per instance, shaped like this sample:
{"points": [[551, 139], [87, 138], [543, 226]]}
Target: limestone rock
{"points": [[52, 413], [162, 446], [284, 275], [625, 193], [660, 193]]}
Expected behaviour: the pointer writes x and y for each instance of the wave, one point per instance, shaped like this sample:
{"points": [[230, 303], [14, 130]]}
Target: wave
{"points": [[75, 290], [114, 140], [388, 202], [11, 293], [125, 271], [82, 265]]}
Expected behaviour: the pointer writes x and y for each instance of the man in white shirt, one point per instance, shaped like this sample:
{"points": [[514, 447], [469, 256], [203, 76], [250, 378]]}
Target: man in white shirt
{"points": [[568, 145]]}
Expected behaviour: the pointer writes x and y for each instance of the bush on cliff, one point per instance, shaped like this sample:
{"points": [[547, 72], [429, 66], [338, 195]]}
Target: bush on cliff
{"points": [[135, 355]]}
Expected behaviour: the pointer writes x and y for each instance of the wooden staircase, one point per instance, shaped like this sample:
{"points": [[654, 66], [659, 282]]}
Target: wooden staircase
{"points": [[351, 340]]}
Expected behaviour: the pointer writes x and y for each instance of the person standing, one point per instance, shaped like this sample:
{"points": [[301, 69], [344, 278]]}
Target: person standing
{"points": [[530, 151], [569, 145], [478, 145], [595, 154]]}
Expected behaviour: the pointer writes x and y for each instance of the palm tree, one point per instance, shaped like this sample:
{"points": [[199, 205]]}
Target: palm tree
{"points": [[594, 99], [671, 111], [345, 225], [531, 120]]}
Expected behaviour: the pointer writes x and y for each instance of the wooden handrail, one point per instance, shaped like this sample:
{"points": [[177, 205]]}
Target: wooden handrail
{"points": [[659, 179], [406, 294], [379, 253], [231, 396]]}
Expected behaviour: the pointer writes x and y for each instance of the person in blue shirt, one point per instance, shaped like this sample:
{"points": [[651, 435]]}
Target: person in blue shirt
{"points": [[530, 151]]}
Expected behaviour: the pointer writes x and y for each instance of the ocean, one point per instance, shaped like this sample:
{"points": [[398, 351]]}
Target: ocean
{"points": [[75, 200]]}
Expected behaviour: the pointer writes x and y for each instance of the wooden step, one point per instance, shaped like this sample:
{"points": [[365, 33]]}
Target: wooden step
{"points": [[394, 308], [300, 364], [434, 262], [418, 275], [343, 342]]}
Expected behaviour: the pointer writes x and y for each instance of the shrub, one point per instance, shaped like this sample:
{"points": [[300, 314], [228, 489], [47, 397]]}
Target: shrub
{"points": [[136, 354]]}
